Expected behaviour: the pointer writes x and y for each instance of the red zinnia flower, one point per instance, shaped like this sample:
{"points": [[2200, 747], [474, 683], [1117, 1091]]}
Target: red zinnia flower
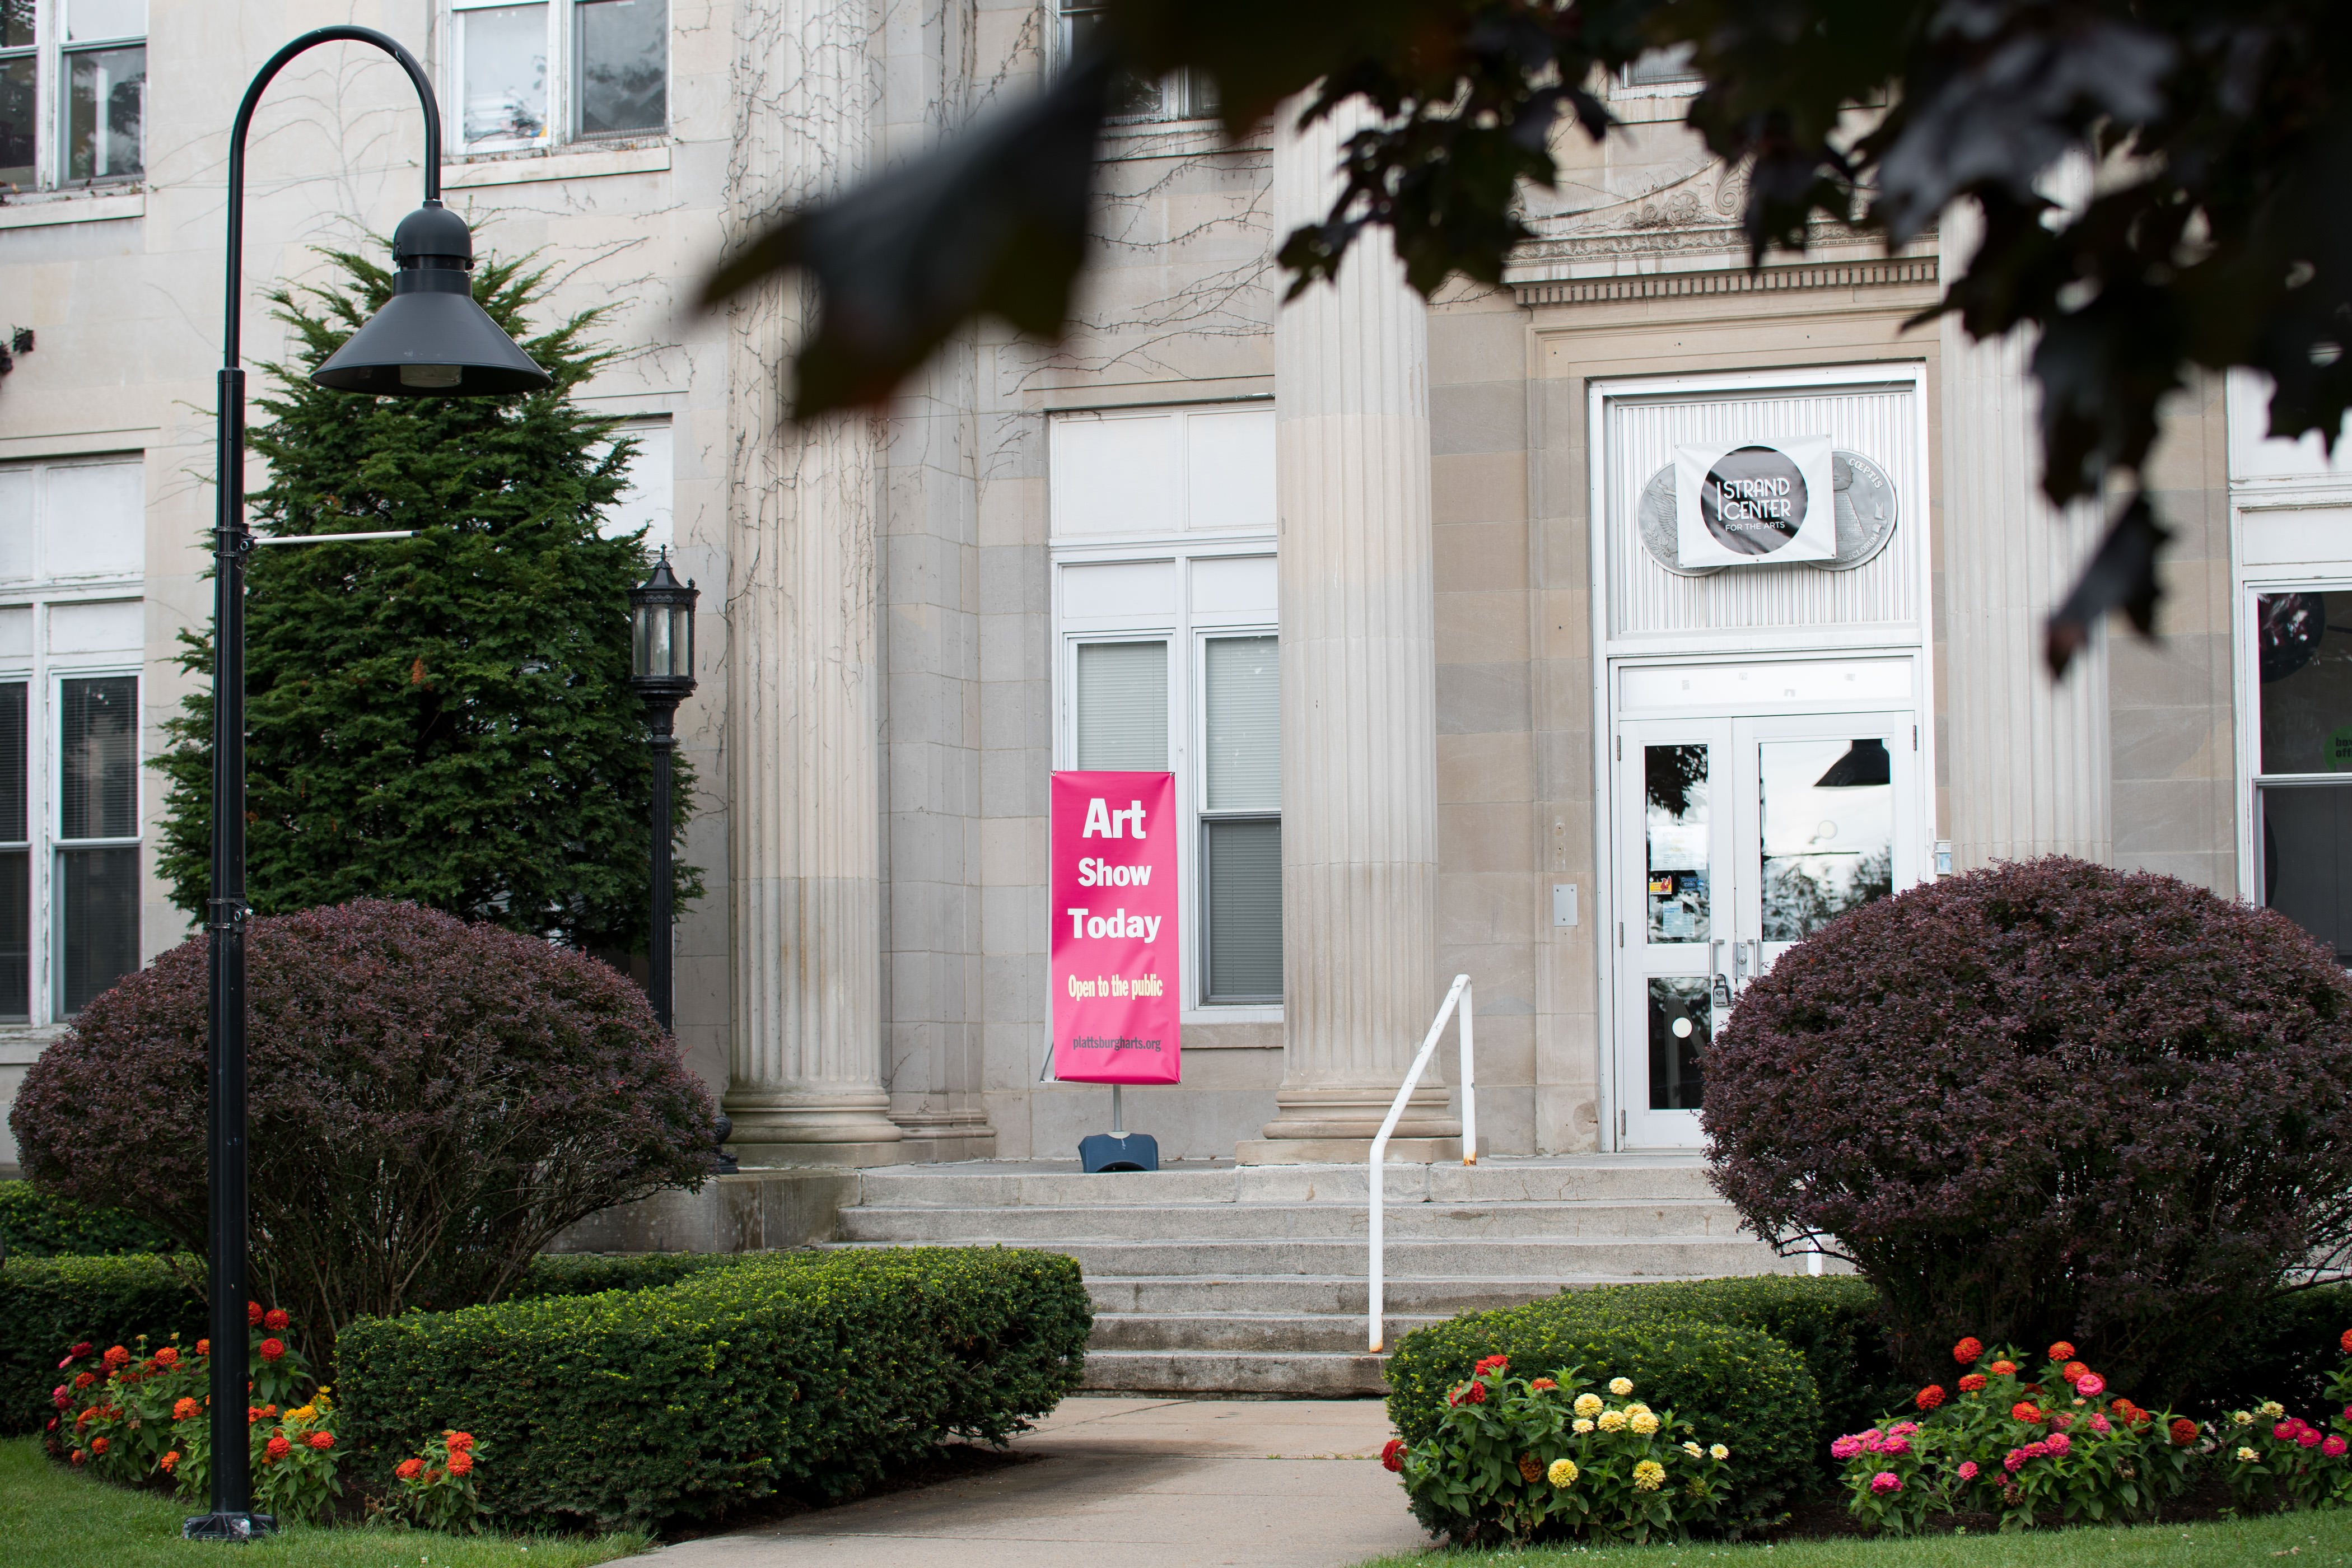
{"points": [[97, 1446], [85, 1347], [1929, 1398], [2061, 1351], [409, 1470], [185, 1410], [118, 1356], [1490, 1364], [84, 1379], [253, 1314], [460, 1463], [1392, 1453], [61, 1397], [167, 1356], [1543, 1382], [276, 1318], [168, 1460], [203, 1347], [2346, 1341], [272, 1349], [1972, 1383], [277, 1448], [2003, 1368], [1967, 1352], [78, 1456], [460, 1442], [2074, 1371], [2025, 1410], [2184, 1430], [323, 1441]]}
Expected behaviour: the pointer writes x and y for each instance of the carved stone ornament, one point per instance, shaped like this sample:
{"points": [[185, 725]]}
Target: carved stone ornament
{"points": [[1865, 516]]}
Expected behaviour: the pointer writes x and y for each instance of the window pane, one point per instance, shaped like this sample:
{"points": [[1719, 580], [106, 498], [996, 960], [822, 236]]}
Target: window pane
{"points": [[505, 91], [15, 936], [97, 773], [13, 763], [1681, 1024], [15, 24], [96, 21], [1244, 867], [2303, 656], [1244, 700], [1123, 706], [1829, 831], [106, 95], [1656, 68], [93, 519], [624, 66], [16, 120], [2307, 852], [98, 925], [1675, 782]]}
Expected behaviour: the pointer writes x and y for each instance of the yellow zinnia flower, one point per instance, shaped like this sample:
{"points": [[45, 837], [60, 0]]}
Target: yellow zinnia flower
{"points": [[2274, 1409], [1562, 1472], [1582, 1425], [1649, 1476], [1692, 1449], [1588, 1405], [2242, 1417], [1620, 1386], [2247, 1456], [1612, 1421], [1643, 1425], [1719, 1453], [1637, 1408]]}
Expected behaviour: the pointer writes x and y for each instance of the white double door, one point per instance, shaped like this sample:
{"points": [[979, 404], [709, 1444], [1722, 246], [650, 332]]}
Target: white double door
{"points": [[1737, 838]]}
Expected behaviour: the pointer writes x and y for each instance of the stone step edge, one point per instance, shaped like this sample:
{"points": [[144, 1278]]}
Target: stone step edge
{"points": [[1508, 1205]]}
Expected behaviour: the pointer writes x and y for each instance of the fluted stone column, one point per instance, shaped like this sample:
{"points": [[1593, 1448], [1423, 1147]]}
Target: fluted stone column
{"points": [[806, 1081], [2029, 756], [1358, 689]]}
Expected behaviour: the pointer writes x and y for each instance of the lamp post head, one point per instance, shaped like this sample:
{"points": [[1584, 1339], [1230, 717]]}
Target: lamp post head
{"points": [[661, 635], [430, 339]]}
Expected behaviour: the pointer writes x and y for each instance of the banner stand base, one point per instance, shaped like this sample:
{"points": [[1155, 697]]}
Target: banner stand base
{"points": [[1118, 1152]]}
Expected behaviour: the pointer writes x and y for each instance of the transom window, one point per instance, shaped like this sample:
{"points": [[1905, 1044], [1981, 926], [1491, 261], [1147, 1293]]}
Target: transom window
{"points": [[73, 92], [1187, 95], [554, 70]]}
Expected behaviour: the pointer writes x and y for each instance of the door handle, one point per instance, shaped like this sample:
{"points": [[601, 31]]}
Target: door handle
{"points": [[1740, 963]]}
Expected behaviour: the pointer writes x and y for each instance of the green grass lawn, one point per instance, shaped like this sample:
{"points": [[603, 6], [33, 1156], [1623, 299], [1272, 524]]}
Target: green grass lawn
{"points": [[2299, 1539], [51, 1518]]}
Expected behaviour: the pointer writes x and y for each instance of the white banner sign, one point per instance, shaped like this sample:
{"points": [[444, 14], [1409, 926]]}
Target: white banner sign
{"points": [[1744, 503]]}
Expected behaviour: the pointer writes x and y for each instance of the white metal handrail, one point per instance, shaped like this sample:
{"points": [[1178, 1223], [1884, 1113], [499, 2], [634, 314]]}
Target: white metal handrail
{"points": [[1458, 996]]}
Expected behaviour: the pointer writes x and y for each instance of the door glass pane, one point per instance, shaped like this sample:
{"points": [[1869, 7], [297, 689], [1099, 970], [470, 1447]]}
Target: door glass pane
{"points": [[1123, 706], [1675, 780], [2306, 853], [97, 922], [505, 89], [15, 864], [1829, 831], [1244, 717], [1681, 1024], [1244, 863], [106, 98], [624, 66], [97, 775], [2303, 656], [13, 763], [15, 119]]}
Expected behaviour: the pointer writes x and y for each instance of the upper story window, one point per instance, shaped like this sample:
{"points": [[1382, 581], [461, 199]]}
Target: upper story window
{"points": [[1187, 95], [73, 92], [556, 70], [1660, 73]]}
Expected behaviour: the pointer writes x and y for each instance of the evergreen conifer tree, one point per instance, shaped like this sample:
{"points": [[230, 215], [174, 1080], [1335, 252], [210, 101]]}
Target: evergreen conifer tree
{"points": [[446, 718]]}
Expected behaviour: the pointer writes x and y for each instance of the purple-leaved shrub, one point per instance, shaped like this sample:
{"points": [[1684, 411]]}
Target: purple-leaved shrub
{"points": [[2048, 1101], [430, 1102]]}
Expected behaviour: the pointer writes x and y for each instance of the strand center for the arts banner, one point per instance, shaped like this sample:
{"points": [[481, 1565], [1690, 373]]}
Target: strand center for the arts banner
{"points": [[1115, 928]]}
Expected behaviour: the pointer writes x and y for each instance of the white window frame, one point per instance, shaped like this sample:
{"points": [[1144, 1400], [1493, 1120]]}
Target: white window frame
{"points": [[44, 674], [1180, 93], [50, 84], [563, 88]]}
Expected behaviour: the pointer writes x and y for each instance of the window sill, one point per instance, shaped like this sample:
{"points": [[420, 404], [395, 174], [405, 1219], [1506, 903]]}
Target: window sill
{"points": [[573, 162], [71, 206]]}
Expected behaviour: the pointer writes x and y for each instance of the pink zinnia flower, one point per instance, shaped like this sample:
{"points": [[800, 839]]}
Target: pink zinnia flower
{"points": [[2101, 1425], [2090, 1385], [1895, 1446], [1845, 1448], [2058, 1442], [1903, 1428], [2308, 1438], [1885, 1481], [2283, 1431], [1968, 1469], [2016, 1460], [2062, 1420], [2333, 1447]]}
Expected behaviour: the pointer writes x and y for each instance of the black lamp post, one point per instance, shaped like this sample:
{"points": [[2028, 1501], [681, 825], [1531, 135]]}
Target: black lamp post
{"points": [[429, 340], [661, 666]]}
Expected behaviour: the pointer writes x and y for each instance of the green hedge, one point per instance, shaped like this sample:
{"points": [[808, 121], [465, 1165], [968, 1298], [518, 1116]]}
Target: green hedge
{"points": [[49, 1303], [2284, 1352], [790, 1372], [35, 1225], [1735, 1385], [587, 1273]]}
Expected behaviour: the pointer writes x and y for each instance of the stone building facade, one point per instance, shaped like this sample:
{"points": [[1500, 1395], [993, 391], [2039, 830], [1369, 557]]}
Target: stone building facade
{"points": [[1390, 587]]}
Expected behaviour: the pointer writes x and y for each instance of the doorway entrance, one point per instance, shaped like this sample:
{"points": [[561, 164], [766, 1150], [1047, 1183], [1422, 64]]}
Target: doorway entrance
{"points": [[1738, 836]]}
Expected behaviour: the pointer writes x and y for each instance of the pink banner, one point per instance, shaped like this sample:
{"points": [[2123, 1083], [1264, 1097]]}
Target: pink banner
{"points": [[1115, 947]]}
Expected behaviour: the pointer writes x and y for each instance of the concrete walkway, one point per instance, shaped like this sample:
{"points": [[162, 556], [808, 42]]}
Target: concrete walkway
{"points": [[1142, 1483]]}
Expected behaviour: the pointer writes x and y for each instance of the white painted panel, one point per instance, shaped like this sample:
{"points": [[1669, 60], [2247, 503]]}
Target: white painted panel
{"points": [[1115, 473], [2313, 536], [1228, 468], [94, 520], [16, 632], [1879, 420], [17, 557], [646, 503], [1785, 686], [116, 625], [1234, 584], [2254, 454], [1144, 589]]}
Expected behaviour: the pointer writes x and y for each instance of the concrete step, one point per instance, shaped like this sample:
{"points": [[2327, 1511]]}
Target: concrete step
{"points": [[1685, 1217], [1344, 1295], [1292, 1375], [1557, 1258], [1262, 1333], [1054, 1184]]}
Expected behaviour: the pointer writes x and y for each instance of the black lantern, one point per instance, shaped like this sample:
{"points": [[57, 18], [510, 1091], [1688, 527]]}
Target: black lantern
{"points": [[430, 339], [661, 666]]}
